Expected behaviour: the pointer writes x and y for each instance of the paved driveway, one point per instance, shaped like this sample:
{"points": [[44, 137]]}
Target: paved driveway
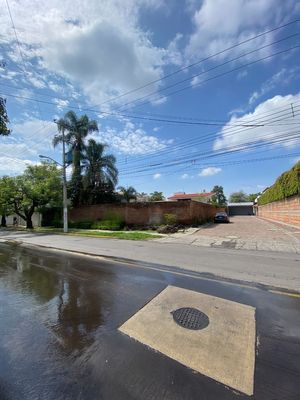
{"points": [[244, 232]]}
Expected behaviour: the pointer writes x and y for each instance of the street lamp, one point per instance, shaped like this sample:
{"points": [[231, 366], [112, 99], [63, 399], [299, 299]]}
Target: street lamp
{"points": [[65, 205]]}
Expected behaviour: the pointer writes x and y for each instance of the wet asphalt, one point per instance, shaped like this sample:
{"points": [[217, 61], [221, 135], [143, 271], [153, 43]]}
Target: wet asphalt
{"points": [[59, 338]]}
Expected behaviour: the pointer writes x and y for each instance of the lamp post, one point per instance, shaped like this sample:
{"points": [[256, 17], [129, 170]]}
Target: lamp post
{"points": [[65, 205]]}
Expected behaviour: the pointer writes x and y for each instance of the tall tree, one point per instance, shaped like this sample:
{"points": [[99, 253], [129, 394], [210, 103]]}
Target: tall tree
{"points": [[76, 130], [128, 193], [38, 186], [218, 197], [4, 131], [238, 197], [101, 174], [5, 201], [156, 196]]}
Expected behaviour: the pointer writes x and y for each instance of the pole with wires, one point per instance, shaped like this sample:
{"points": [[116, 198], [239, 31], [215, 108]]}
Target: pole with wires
{"points": [[65, 199]]}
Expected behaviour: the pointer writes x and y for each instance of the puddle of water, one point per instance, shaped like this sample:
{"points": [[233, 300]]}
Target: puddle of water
{"points": [[52, 310]]}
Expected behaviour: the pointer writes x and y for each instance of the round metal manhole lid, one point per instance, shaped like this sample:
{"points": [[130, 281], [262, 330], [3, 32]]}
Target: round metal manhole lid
{"points": [[190, 318]]}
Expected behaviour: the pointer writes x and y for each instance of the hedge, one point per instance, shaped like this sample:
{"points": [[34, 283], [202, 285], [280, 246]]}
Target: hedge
{"points": [[288, 184]]}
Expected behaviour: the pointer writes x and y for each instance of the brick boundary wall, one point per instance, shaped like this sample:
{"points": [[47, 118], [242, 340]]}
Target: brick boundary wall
{"points": [[287, 210], [147, 213]]}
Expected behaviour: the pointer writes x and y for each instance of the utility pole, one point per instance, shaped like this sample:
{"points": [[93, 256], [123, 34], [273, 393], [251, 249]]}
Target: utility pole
{"points": [[65, 199], [64, 178]]}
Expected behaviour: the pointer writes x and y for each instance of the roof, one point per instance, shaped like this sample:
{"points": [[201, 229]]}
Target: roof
{"points": [[179, 196], [245, 203]]}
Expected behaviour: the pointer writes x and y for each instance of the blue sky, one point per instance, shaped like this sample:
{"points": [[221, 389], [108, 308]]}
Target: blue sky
{"points": [[234, 120]]}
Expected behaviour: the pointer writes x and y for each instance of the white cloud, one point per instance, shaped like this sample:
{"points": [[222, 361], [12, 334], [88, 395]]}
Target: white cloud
{"points": [[195, 81], [131, 139], [283, 77], [184, 176], [209, 171], [242, 74], [35, 132], [61, 104], [262, 115], [156, 176], [220, 24], [35, 80], [100, 45], [28, 139], [174, 54], [12, 166]]}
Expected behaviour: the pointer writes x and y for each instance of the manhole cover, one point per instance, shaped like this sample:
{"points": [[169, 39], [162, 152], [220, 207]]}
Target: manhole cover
{"points": [[190, 318]]}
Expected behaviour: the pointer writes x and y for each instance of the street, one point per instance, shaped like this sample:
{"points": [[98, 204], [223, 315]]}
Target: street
{"points": [[84, 314], [270, 268]]}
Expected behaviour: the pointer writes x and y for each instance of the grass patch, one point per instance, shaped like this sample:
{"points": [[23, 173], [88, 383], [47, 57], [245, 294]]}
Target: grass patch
{"points": [[119, 235], [127, 235]]}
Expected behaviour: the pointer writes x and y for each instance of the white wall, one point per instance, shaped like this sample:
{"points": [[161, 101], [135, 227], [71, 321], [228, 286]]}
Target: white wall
{"points": [[36, 220]]}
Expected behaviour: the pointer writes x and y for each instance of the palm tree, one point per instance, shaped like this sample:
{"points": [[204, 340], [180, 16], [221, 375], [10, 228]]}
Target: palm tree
{"points": [[128, 193], [101, 174], [76, 130]]}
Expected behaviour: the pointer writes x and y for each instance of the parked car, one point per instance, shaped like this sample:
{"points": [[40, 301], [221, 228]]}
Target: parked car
{"points": [[221, 217]]}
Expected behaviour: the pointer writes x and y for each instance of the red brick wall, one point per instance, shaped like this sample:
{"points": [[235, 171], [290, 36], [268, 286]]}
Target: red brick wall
{"points": [[187, 212], [287, 210]]}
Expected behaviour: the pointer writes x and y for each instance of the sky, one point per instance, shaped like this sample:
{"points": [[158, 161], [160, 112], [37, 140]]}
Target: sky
{"points": [[187, 94]]}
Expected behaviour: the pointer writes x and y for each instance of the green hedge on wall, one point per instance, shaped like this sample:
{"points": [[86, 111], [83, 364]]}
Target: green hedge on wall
{"points": [[288, 184]]}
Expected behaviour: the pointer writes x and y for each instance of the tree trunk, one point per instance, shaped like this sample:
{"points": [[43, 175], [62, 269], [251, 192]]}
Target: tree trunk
{"points": [[29, 223], [3, 221]]}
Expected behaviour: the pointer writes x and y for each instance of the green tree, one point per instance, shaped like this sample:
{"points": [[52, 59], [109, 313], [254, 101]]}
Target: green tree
{"points": [[5, 204], [101, 174], [156, 196], [238, 197], [76, 130], [38, 186], [128, 193], [218, 198], [253, 196], [4, 131]]}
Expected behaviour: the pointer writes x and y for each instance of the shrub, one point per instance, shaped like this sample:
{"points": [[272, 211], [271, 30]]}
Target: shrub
{"points": [[113, 222], [288, 184], [84, 224], [170, 219], [56, 223], [167, 229]]}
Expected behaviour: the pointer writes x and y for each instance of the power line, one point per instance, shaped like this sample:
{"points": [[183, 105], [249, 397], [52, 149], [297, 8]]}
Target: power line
{"points": [[208, 70], [19, 47], [262, 114], [177, 91], [183, 68], [227, 150], [224, 164], [201, 61], [217, 76], [209, 136]]}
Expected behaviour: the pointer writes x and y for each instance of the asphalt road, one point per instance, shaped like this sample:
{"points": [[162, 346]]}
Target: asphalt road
{"points": [[61, 333], [276, 269]]}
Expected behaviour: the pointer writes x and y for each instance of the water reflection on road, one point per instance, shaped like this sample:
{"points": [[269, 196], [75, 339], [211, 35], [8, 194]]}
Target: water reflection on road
{"points": [[53, 309], [59, 340]]}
